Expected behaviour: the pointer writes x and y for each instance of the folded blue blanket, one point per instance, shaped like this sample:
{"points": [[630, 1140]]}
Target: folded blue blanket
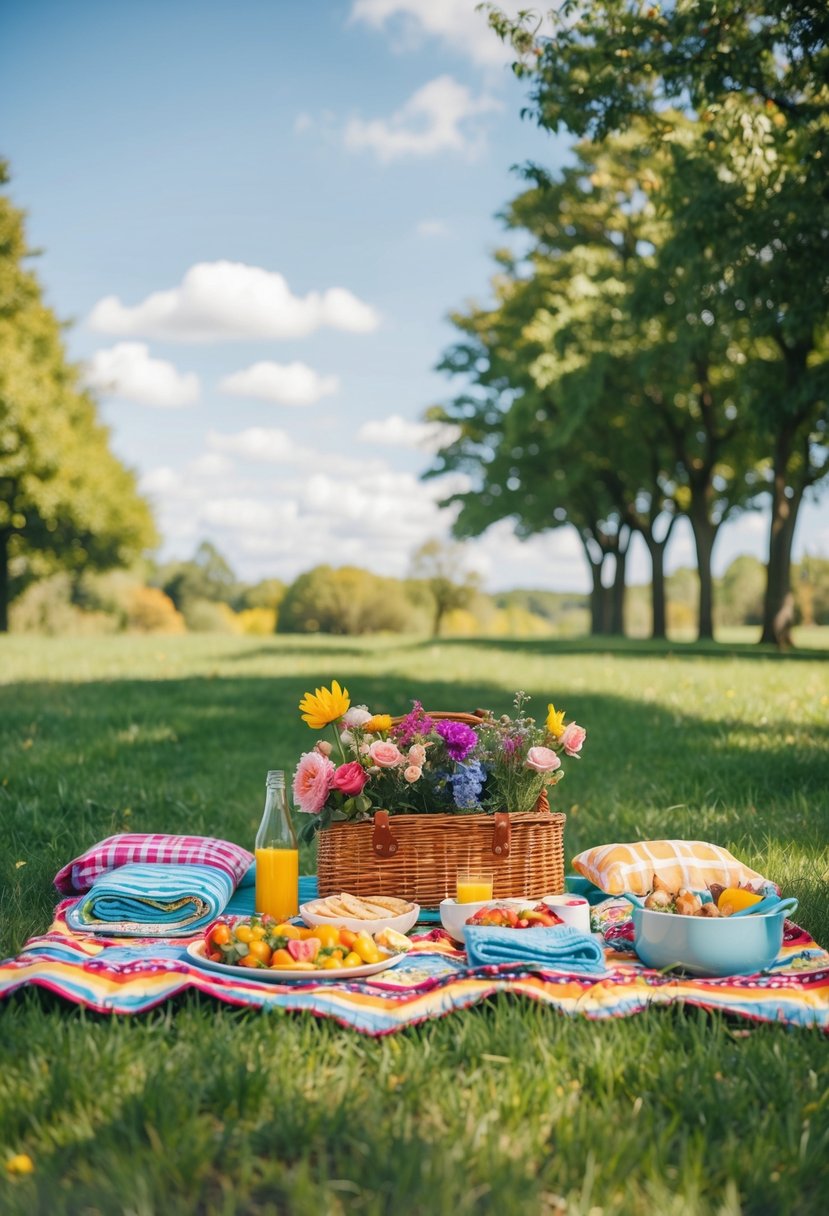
{"points": [[149, 900], [558, 946]]}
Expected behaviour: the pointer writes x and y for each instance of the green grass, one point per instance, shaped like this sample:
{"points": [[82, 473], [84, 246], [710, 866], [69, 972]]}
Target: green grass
{"points": [[508, 1108]]}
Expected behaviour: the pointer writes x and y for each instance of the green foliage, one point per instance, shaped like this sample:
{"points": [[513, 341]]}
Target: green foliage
{"points": [[504, 1108], [440, 567], [343, 601], [735, 95], [206, 576], [269, 593], [66, 501]]}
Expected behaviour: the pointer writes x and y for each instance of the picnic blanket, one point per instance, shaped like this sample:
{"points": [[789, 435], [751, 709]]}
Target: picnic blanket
{"points": [[128, 975], [141, 900]]}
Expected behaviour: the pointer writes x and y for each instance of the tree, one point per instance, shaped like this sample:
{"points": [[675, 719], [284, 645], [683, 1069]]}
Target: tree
{"points": [[66, 501], [751, 79], [439, 565], [597, 397], [206, 576], [346, 601]]}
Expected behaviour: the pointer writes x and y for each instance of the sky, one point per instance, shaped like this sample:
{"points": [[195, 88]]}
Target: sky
{"points": [[257, 218]]}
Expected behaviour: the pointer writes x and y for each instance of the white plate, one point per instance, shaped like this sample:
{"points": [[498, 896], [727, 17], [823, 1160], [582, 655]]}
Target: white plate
{"points": [[400, 923], [196, 953]]}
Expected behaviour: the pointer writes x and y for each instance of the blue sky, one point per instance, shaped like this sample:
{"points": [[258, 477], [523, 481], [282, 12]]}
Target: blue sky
{"points": [[258, 216]]}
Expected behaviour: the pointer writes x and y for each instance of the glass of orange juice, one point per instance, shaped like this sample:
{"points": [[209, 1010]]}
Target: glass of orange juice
{"points": [[474, 885]]}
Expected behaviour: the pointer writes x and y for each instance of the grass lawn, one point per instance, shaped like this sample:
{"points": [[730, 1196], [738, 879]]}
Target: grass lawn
{"points": [[508, 1108]]}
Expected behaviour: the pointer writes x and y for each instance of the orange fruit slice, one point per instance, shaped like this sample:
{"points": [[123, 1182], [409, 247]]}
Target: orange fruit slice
{"points": [[734, 899]]}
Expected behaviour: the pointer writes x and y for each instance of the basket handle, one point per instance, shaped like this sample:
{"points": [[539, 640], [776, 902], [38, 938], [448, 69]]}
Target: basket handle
{"points": [[441, 715], [383, 843], [501, 834]]}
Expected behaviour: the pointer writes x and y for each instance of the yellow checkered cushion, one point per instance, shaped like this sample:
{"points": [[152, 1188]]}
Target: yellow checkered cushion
{"points": [[679, 863]]}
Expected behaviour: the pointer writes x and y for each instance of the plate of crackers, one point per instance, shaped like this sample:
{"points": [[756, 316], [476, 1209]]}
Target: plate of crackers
{"points": [[356, 912]]}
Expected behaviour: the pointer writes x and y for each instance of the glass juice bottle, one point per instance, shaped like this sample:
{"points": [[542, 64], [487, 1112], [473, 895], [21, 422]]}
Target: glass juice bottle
{"points": [[277, 856]]}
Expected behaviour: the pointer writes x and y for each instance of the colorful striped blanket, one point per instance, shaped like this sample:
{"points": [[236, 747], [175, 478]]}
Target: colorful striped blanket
{"points": [[128, 975]]}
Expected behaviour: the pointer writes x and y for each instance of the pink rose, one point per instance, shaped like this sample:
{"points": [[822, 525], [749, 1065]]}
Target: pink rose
{"points": [[412, 773], [417, 754], [386, 754], [350, 778], [312, 781], [542, 760], [573, 738]]}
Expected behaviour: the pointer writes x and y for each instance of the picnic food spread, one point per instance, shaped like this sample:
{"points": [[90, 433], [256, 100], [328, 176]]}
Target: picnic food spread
{"points": [[261, 942], [508, 916], [374, 907], [720, 901]]}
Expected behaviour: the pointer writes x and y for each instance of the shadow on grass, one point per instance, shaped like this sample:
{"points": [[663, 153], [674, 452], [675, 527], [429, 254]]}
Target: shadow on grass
{"points": [[631, 648]]}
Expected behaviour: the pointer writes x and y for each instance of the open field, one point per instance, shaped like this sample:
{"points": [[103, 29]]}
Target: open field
{"points": [[507, 1109]]}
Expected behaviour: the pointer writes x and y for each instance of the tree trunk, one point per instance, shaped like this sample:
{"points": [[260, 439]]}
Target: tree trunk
{"points": [[656, 548], [705, 533], [617, 601], [4, 582], [784, 511], [599, 607]]}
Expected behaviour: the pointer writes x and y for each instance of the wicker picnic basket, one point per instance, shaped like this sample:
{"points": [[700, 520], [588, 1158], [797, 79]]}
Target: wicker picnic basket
{"points": [[417, 857]]}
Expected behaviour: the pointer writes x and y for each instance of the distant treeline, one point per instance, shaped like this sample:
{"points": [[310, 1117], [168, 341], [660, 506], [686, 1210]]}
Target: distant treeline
{"points": [[204, 595]]}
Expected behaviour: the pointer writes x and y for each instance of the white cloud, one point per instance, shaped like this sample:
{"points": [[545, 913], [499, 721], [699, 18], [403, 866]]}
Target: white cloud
{"points": [[284, 383], [219, 301], [454, 22], [265, 445], [127, 370], [431, 228], [439, 117], [398, 432]]}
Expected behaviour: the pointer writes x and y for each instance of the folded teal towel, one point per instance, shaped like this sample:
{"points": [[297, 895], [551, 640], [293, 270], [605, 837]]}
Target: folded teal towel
{"points": [[149, 900], [558, 946]]}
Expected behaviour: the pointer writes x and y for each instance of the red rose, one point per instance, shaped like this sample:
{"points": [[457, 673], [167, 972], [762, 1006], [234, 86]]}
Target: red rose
{"points": [[350, 778]]}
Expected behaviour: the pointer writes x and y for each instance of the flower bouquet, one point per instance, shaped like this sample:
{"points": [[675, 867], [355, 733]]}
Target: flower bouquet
{"points": [[405, 803], [425, 764]]}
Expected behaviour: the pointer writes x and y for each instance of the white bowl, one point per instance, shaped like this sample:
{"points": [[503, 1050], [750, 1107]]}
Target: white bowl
{"points": [[453, 916], [401, 923]]}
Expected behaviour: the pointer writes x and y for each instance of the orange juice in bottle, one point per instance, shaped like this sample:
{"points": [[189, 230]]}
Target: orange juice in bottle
{"points": [[277, 855]]}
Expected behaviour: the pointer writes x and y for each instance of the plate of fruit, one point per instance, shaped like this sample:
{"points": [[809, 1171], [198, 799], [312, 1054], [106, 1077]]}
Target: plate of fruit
{"points": [[259, 948]]}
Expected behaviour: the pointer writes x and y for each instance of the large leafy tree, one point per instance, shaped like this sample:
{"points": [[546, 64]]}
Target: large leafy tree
{"points": [[66, 501], [597, 398], [737, 92]]}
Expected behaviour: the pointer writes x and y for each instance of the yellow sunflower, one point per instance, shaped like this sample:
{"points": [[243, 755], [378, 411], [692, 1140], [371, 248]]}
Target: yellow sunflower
{"points": [[324, 705], [555, 721], [377, 724]]}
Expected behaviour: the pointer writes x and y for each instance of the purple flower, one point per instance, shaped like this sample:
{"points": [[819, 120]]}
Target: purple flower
{"points": [[511, 745], [459, 738], [415, 723]]}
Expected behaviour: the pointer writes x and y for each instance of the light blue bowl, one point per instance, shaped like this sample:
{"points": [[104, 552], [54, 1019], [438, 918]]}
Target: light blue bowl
{"points": [[710, 946]]}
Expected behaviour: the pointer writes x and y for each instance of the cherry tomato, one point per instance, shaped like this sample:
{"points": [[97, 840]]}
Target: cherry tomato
{"points": [[352, 960], [281, 958], [347, 938], [366, 949], [219, 934], [329, 935], [249, 960], [260, 950], [244, 933]]}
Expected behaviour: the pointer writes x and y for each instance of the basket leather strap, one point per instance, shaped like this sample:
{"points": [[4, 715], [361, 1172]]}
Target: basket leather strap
{"points": [[501, 834], [383, 843]]}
